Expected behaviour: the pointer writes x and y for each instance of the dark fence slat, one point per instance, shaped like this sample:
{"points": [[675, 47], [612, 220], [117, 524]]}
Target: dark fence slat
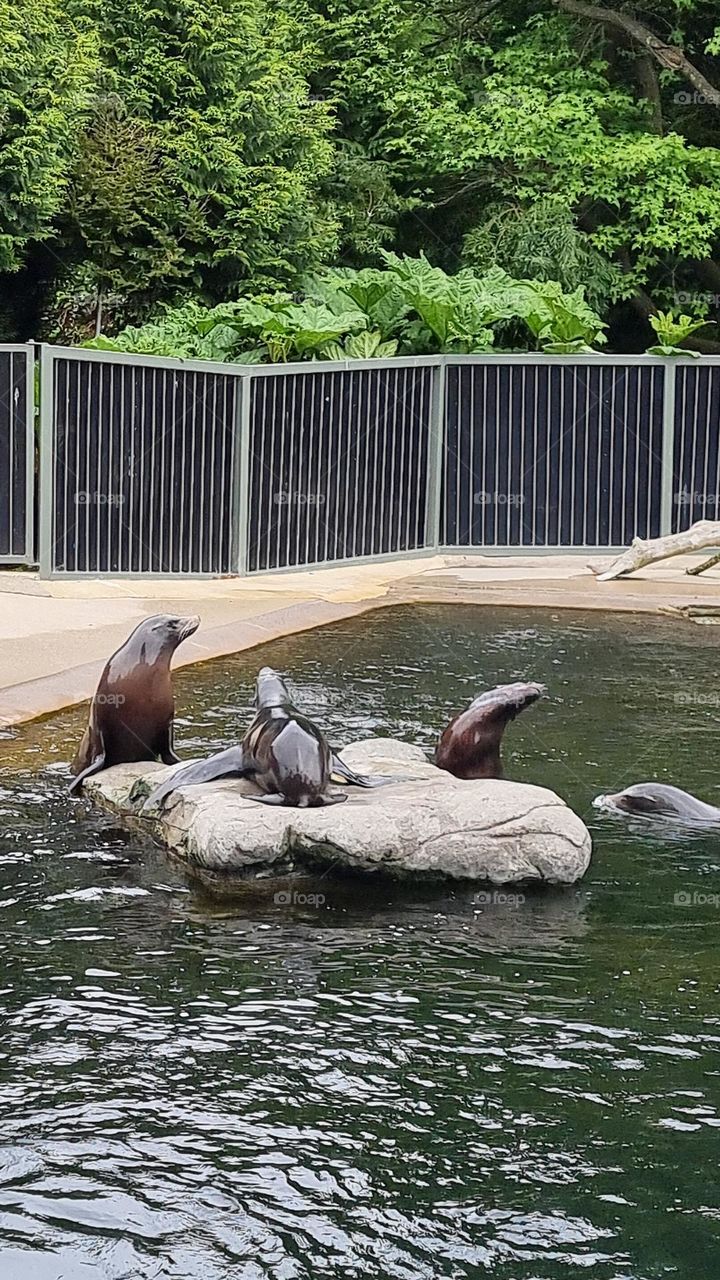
{"points": [[17, 461], [551, 455], [338, 465], [143, 460], [696, 462]]}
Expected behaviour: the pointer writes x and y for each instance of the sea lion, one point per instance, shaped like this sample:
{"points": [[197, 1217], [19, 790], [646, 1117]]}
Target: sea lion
{"points": [[283, 752], [131, 716], [655, 799], [470, 745]]}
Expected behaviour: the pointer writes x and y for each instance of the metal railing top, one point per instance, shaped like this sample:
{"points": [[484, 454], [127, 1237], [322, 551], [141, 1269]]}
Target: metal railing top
{"points": [[239, 370], [233, 369], [590, 358]]}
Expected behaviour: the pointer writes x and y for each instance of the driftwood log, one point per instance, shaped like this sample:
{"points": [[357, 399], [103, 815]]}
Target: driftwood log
{"points": [[706, 564], [644, 551]]}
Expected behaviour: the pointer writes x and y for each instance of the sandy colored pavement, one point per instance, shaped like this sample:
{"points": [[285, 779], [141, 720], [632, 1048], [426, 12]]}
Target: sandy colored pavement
{"points": [[56, 636]]}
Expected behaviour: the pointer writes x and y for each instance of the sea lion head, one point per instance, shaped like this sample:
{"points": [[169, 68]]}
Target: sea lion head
{"points": [[270, 689], [632, 804], [643, 797], [506, 701], [163, 632], [469, 746]]}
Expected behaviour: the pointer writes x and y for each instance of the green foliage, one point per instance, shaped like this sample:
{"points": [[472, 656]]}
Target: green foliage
{"points": [[366, 345], [219, 149], [562, 323], [530, 139], [410, 307], [542, 240], [200, 165], [46, 69], [671, 330], [190, 332], [290, 331]]}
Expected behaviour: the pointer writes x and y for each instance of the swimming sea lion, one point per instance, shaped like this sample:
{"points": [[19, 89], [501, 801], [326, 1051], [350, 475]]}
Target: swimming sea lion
{"points": [[283, 752], [655, 799], [470, 745], [131, 716]]}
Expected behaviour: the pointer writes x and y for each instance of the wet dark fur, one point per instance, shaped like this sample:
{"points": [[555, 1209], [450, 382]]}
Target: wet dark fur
{"points": [[132, 712], [470, 745], [283, 752]]}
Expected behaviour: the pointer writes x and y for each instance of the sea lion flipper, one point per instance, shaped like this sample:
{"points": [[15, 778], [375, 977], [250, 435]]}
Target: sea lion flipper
{"points": [[346, 774], [166, 747], [231, 763], [277, 798], [97, 764]]}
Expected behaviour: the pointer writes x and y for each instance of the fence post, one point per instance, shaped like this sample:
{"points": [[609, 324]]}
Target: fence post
{"points": [[46, 497], [241, 477], [668, 448], [30, 398], [436, 453]]}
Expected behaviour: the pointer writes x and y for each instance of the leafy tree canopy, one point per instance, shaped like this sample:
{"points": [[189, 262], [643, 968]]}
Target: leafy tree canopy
{"points": [[46, 69], [198, 148]]}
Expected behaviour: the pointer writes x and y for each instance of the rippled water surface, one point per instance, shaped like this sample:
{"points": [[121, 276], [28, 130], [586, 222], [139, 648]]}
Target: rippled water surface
{"points": [[407, 1084]]}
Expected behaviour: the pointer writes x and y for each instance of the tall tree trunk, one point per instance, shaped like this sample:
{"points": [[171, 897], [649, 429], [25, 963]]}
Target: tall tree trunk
{"points": [[649, 87]]}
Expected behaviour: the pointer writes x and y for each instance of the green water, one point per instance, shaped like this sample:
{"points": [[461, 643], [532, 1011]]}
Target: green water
{"points": [[407, 1084]]}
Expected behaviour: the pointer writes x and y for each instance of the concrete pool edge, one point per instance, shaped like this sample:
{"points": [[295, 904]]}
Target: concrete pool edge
{"points": [[35, 699], [514, 582]]}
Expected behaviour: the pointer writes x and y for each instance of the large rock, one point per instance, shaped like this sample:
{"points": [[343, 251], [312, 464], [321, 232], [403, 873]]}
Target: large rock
{"points": [[426, 825]]}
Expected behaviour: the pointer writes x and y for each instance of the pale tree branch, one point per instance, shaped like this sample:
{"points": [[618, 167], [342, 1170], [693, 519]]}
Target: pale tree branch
{"points": [[644, 551], [668, 55]]}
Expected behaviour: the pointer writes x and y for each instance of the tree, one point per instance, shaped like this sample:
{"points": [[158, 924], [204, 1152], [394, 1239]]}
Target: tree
{"points": [[46, 70], [489, 117], [200, 148], [200, 165]]}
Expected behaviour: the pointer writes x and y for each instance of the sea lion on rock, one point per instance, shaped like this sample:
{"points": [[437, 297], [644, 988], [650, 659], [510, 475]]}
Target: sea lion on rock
{"points": [[470, 745], [131, 716], [655, 799], [283, 752]]}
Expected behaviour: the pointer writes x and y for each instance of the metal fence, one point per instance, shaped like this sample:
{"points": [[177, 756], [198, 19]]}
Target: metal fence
{"points": [[696, 446], [161, 467], [138, 460], [339, 464], [17, 454]]}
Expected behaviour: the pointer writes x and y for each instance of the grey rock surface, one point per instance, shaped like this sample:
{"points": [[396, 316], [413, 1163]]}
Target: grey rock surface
{"points": [[426, 825]]}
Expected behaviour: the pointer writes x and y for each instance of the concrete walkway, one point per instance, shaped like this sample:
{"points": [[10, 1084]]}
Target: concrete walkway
{"points": [[56, 636]]}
